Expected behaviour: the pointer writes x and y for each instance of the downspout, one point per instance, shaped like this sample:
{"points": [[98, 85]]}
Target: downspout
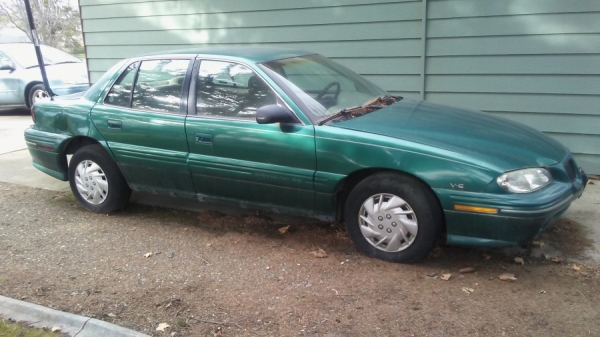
{"points": [[423, 47], [38, 50]]}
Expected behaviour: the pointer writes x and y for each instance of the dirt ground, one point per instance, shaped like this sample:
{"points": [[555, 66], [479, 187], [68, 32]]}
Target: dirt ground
{"points": [[210, 271]]}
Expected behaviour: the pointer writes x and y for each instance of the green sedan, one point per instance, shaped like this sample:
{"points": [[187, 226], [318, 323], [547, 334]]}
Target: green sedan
{"points": [[292, 132]]}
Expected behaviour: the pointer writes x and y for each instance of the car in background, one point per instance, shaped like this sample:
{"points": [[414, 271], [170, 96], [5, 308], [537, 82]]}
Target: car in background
{"points": [[293, 132], [21, 80]]}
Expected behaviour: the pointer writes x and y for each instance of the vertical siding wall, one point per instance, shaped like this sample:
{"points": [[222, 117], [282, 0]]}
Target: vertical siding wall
{"points": [[536, 62]]}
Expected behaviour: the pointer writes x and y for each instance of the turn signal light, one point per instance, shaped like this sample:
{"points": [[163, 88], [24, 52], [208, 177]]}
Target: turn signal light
{"points": [[476, 209]]}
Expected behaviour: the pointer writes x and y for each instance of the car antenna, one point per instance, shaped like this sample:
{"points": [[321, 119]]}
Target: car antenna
{"points": [[38, 50]]}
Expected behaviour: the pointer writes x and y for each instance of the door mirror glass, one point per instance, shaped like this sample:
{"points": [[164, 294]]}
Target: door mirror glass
{"points": [[274, 113], [6, 67]]}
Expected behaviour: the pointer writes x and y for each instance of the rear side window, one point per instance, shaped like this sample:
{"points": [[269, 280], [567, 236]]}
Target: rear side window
{"points": [[159, 85], [120, 93]]}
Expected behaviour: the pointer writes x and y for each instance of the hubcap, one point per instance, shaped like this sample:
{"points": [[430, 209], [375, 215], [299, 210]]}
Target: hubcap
{"points": [[39, 95], [91, 182], [388, 222]]}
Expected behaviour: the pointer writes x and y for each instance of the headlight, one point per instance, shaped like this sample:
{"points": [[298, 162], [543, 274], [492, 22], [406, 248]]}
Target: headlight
{"points": [[524, 181]]}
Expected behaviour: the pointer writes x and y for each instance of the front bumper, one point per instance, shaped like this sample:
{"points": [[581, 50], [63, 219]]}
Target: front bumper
{"points": [[69, 89], [520, 218]]}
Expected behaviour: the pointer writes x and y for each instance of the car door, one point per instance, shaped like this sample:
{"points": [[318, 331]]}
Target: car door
{"points": [[10, 86], [232, 157], [143, 121]]}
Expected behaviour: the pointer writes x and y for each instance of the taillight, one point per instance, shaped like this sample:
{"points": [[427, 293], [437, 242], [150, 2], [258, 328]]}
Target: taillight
{"points": [[33, 113]]}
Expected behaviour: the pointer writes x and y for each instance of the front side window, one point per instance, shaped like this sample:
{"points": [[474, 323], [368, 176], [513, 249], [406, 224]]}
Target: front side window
{"points": [[120, 93], [230, 90], [325, 86], [5, 61], [159, 85]]}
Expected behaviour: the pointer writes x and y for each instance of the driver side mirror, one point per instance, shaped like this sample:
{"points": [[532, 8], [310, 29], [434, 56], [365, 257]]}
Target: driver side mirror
{"points": [[274, 113], [6, 66]]}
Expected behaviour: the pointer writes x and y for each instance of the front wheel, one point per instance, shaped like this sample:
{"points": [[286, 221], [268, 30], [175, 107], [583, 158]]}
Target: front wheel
{"points": [[36, 93], [96, 180], [393, 217]]}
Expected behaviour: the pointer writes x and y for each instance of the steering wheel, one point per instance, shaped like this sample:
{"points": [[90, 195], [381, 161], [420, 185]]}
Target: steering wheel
{"points": [[327, 87]]}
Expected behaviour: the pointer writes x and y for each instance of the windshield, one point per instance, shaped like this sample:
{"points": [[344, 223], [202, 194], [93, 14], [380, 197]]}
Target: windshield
{"points": [[25, 55], [323, 86]]}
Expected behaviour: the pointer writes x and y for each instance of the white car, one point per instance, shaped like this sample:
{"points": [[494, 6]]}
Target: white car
{"points": [[21, 80]]}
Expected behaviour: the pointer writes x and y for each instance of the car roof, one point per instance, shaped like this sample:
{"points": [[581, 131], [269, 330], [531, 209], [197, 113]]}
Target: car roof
{"points": [[254, 54]]}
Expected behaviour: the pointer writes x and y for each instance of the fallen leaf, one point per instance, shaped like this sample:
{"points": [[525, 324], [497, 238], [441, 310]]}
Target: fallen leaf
{"points": [[556, 259], [486, 256], [432, 275], [218, 332], [56, 329], [537, 243], [320, 253], [446, 277], [112, 315], [520, 260], [468, 290], [283, 230], [576, 267], [467, 270], [507, 277], [542, 291], [148, 254], [162, 327]]}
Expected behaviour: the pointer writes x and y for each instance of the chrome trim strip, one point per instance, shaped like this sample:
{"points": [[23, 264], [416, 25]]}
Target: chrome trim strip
{"points": [[30, 143]]}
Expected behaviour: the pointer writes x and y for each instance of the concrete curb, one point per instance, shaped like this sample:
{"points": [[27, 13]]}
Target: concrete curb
{"points": [[74, 325]]}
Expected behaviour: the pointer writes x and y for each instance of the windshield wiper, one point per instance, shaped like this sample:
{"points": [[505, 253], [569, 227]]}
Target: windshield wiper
{"points": [[370, 106], [37, 65], [63, 62]]}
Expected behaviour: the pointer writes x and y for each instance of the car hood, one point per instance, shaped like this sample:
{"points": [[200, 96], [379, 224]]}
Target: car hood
{"points": [[485, 139], [57, 71]]}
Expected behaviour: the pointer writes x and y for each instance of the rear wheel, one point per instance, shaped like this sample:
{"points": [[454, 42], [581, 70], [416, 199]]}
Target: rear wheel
{"points": [[393, 217], [36, 93], [96, 180]]}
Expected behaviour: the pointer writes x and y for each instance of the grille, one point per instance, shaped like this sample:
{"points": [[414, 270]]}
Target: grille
{"points": [[570, 169]]}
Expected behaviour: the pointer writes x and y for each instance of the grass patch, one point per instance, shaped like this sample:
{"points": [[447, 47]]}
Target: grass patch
{"points": [[11, 329]]}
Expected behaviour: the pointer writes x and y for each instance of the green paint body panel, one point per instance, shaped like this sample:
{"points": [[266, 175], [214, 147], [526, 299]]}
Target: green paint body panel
{"points": [[300, 168]]}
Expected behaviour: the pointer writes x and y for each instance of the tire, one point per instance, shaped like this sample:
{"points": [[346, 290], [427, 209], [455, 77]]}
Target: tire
{"points": [[96, 181], [403, 238], [36, 93]]}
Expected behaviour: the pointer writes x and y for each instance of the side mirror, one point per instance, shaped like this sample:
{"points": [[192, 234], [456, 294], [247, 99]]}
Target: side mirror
{"points": [[6, 67], [274, 113]]}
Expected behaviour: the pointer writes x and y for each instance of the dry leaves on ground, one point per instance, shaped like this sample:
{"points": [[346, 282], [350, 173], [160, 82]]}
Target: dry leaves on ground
{"points": [[283, 230], [507, 277], [446, 277], [320, 253], [468, 290], [162, 327], [520, 261], [148, 254]]}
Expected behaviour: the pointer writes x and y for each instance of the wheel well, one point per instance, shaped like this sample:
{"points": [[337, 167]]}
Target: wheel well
{"points": [[77, 143], [347, 185], [27, 89]]}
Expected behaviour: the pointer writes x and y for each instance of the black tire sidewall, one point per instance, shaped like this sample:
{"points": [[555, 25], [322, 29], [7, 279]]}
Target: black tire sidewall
{"points": [[31, 91], [420, 198], [118, 190]]}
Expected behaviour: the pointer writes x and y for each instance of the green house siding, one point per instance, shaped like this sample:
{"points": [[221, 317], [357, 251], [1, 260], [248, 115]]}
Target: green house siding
{"points": [[531, 61]]}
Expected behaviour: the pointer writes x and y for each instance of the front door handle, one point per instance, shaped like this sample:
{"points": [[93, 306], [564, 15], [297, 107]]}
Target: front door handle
{"points": [[203, 138], [114, 124]]}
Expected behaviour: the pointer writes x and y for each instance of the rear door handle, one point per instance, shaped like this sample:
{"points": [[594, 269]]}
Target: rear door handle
{"points": [[203, 138], [114, 124]]}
